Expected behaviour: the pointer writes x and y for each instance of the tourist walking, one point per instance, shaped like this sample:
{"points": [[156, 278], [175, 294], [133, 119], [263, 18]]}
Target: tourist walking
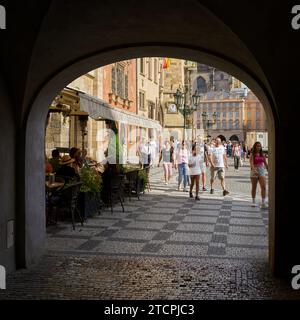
{"points": [[218, 162], [203, 152], [167, 155], [258, 164], [236, 152], [182, 159], [195, 163]]}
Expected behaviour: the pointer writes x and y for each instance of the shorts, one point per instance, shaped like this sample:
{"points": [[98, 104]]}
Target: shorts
{"points": [[217, 171], [168, 168], [203, 167], [261, 172]]}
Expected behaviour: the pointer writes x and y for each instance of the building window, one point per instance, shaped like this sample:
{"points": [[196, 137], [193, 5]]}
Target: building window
{"points": [[201, 85], [218, 124], [142, 100], [257, 114], [198, 125], [130, 134], [237, 114], [257, 124], [249, 124], [218, 114], [237, 124], [224, 114], [126, 86], [249, 114], [119, 81], [151, 110], [114, 79], [230, 124], [155, 70], [142, 66], [224, 125], [150, 69]]}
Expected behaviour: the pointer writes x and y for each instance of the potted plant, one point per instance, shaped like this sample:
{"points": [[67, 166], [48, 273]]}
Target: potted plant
{"points": [[89, 199], [142, 180]]}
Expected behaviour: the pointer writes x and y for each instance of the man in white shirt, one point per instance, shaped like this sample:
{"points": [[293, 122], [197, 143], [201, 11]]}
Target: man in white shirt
{"points": [[218, 162]]}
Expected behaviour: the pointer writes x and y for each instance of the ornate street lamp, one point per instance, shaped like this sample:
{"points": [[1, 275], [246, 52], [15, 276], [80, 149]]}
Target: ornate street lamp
{"points": [[184, 109]]}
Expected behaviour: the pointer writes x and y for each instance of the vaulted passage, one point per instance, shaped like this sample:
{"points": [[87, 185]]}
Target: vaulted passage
{"points": [[59, 47]]}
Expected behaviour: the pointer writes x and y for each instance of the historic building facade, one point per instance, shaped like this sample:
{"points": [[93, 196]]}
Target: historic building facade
{"points": [[149, 85], [173, 79]]}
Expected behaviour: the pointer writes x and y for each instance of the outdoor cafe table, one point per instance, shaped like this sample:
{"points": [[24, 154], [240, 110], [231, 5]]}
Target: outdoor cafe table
{"points": [[54, 185]]}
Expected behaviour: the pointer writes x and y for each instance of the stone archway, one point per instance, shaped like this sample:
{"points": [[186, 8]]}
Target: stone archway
{"points": [[100, 40], [222, 137], [36, 124], [234, 138]]}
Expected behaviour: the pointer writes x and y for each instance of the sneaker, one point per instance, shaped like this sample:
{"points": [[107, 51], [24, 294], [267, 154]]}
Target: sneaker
{"points": [[191, 195], [264, 206], [212, 191], [204, 189], [225, 193], [178, 188], [253, 204], [197, 198], [185, 190]]}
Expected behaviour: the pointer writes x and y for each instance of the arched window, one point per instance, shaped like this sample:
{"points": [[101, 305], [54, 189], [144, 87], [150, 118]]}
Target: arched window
{"points": [[201, 85]]}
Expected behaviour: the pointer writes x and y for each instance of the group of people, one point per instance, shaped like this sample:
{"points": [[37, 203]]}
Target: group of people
{"points": [[190, 159], [67, 166], [192, 162]]}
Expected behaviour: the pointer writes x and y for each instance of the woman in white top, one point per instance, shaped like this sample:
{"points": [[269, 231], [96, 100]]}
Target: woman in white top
{"points": [[195, 163]]}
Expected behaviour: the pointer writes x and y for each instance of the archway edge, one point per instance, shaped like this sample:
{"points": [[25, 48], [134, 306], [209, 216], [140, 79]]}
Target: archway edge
{"points": [[34, 233], [83, 65]]}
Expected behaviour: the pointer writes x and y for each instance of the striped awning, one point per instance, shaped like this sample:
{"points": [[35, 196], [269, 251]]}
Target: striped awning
{"points": [[99, 109]]}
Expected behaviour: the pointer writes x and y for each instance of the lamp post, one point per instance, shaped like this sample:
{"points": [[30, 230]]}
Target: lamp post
{"points": [[207, 123], [184, 109]]}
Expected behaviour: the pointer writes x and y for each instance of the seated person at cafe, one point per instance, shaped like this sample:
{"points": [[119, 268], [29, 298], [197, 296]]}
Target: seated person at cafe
{"points": [[55, 161], [66, 170], [48, 167], [75, 154]]}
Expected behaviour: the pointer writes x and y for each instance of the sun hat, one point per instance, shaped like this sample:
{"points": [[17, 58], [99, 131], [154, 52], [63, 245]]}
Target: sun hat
{"points": [[66, 160]]}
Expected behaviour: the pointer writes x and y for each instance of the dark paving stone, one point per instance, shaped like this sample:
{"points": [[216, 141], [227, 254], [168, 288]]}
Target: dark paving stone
{"points": [[121, 224], [54, 229], [222, 229], [70, 236], [89, 245], [219, 238], [216, 251], [225, 213], [223, 220], [162, 236], [177, 218], [107, 233], [128, 240], [152, 247], [226, 207], [183, 211], [171, 226], [188, 205], [132, 216]]}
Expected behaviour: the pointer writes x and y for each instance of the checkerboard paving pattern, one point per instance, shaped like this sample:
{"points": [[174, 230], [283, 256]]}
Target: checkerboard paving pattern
{"points": [[167, 223]]}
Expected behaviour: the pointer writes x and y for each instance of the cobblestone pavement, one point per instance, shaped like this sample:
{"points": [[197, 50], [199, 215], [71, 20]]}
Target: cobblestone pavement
{"points": [[165, 246]]}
